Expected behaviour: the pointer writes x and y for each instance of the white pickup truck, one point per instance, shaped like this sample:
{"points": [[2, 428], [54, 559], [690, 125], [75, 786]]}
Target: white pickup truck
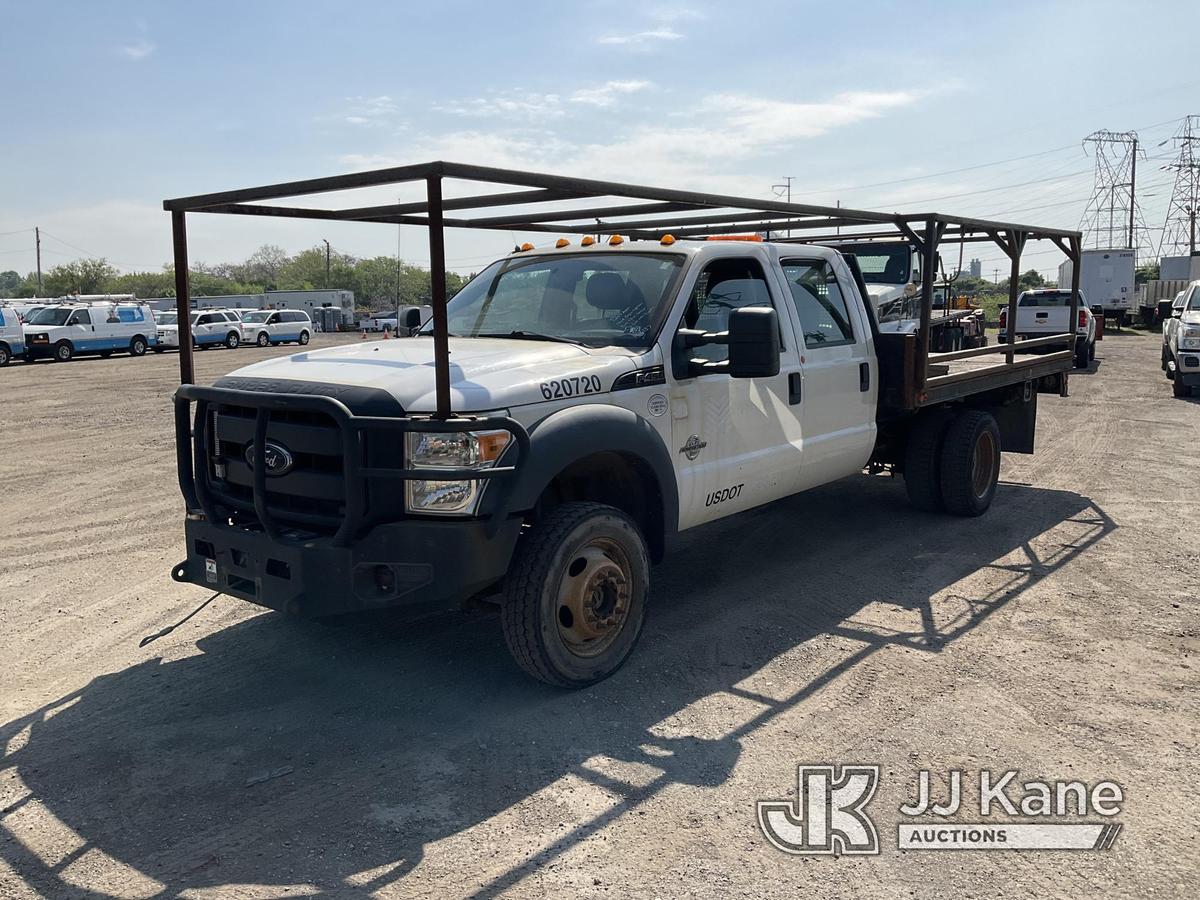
{"points": [[1048, 311], [607, 396], [1181, 342]]}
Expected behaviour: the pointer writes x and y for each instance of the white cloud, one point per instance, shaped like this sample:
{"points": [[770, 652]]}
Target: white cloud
{"points": [[138, 50], [607, 93], [527, 104], [367, 112], [641, 38]]}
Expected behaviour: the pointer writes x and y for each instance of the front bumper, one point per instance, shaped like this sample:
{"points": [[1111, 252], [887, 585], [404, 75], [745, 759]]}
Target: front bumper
{"points": [[1187, 367], [420, 564], [257, 552]]}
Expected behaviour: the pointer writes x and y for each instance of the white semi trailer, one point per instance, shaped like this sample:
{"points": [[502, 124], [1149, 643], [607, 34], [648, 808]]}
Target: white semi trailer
{"points": [[1106, 279]]}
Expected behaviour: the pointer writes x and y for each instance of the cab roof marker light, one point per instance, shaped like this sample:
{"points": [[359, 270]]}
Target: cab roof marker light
{"points": [[562, 242], [587, 241], [756, 238], [616, 240], [667, 240]]}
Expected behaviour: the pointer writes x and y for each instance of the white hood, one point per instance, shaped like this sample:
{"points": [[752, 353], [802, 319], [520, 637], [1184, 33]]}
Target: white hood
{"points": [[485, 373]]}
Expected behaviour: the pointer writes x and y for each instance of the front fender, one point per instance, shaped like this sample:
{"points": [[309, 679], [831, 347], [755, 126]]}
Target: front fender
{"points": [[569, 435]]}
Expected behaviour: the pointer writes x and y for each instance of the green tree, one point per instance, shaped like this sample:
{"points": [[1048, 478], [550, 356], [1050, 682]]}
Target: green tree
{"points": [[1147, 272], [10, 281], [83, 276]]}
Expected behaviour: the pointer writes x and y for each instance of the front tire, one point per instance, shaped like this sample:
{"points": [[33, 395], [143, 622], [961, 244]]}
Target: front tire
{"points": [[1178, 388], [263, 339], [970, 463], [575, 601], [63, 351]]}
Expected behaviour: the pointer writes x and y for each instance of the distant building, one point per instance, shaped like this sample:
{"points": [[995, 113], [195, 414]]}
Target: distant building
{"points": [[309, 301], [976, 268]]}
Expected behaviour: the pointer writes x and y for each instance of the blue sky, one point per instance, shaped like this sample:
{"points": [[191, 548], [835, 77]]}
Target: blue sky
{"points": [[110, 107]]}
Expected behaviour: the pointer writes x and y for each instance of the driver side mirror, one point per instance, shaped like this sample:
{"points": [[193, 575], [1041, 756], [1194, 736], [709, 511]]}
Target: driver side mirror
{"points": [[752, 338], [412, 319], [1176, 312], [754, 342]]}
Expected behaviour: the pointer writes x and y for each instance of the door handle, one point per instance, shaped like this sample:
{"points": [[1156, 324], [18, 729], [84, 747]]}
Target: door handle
{"points": [[795, 387], [864, 376]]}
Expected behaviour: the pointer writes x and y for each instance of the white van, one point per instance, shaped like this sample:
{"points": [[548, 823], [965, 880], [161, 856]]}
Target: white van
{"points": [[210, 328], [67, 330], [12, 339], [276, 326]]}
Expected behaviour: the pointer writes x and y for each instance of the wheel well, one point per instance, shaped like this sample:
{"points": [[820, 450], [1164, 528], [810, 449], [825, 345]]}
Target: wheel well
{"points": [[618, 479]]}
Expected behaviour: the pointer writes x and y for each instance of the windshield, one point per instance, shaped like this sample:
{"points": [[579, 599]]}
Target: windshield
{"points": [[1194, 301], [167, 318], [881, 263], [51, 315], [598, 299], [1048, 299], [255, 317]]}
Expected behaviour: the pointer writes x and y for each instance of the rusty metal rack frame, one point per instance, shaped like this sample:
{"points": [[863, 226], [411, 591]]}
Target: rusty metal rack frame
{"points": [[549, 204]]}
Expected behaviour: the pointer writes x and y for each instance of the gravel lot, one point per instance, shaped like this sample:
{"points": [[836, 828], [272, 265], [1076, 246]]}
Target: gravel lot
{"points": [[248, 754]]}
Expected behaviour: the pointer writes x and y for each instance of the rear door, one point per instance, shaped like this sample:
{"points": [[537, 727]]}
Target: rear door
{"points": [[837, 404]]}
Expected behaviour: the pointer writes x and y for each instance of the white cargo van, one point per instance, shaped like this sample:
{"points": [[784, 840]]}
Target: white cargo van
{"points": [[63, 332], [12, 339]]}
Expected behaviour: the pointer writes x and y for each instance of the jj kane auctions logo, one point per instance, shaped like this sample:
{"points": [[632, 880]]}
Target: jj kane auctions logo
{"points": [[829, 814]]}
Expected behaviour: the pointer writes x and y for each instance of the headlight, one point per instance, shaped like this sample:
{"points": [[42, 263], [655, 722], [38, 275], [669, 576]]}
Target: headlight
{"points": [[459, 449], [1190, 338]]}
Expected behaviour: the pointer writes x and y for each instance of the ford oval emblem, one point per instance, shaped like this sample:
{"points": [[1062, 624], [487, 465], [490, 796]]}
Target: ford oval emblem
{"points": [[278, 458]]}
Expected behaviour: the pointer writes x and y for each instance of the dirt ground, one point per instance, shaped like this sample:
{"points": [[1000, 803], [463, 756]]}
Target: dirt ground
{"points": [[251, 755]]}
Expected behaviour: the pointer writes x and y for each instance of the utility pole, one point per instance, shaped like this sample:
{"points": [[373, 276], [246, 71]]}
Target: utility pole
{"points": [[996, 275], [784, 189], [1132, 191], [326, 264], [37, 236], [1180, 226]]}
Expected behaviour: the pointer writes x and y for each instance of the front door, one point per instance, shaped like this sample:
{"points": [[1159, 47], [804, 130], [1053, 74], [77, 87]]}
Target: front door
{"points": [[736, 441]]}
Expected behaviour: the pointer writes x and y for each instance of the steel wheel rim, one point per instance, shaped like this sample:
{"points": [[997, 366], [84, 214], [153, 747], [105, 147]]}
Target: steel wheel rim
{"points": [[595, 594], [983, 463]]}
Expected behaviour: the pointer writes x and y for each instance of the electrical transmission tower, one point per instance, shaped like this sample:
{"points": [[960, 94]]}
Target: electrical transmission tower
{"points": [[1112, 217], [1179, 231]]}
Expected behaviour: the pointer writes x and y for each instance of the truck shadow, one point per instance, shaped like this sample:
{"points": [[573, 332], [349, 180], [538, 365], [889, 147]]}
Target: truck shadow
{"points": [[284, 753]]}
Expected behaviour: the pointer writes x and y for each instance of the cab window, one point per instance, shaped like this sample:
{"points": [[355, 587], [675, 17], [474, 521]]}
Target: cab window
{"points": [[723, 286], [80, 317], [820, 303]]}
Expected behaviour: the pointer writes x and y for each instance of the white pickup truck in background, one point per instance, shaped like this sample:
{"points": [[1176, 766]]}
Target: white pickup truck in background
{"points": [[1044, 312], [1181, 342]]}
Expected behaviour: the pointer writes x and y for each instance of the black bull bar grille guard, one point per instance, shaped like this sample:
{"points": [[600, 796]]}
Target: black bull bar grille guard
{"points": [[192, 456]]}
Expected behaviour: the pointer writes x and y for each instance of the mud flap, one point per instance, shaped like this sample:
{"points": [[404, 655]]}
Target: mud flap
{"points": [[1017, 419]]}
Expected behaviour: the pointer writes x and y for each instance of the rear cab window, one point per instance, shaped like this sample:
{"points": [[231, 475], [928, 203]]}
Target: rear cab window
{"points": [[820, 303]]}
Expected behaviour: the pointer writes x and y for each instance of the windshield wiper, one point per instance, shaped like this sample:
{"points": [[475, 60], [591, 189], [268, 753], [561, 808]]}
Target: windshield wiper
{"points": [[530, 336]]}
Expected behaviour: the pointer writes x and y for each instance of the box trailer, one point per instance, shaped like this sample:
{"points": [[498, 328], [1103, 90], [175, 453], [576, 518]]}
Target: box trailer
{"points": [[1106, 279]]}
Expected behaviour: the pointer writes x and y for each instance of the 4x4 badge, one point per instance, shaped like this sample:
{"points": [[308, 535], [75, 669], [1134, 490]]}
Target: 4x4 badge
{"points": [[693, 446]]}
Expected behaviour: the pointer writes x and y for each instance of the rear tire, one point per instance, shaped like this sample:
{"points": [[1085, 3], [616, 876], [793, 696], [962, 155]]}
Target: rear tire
{"points": [[137, 347], [970, 463], [575, 601], [5, 356], [922, 462], [63, 351], [232, 340], [303, 338], [1081, 356], [1091, 351]]}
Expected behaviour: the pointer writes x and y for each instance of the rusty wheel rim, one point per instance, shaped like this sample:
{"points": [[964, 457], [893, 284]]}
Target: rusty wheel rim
{"points": [[594, 598]]}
